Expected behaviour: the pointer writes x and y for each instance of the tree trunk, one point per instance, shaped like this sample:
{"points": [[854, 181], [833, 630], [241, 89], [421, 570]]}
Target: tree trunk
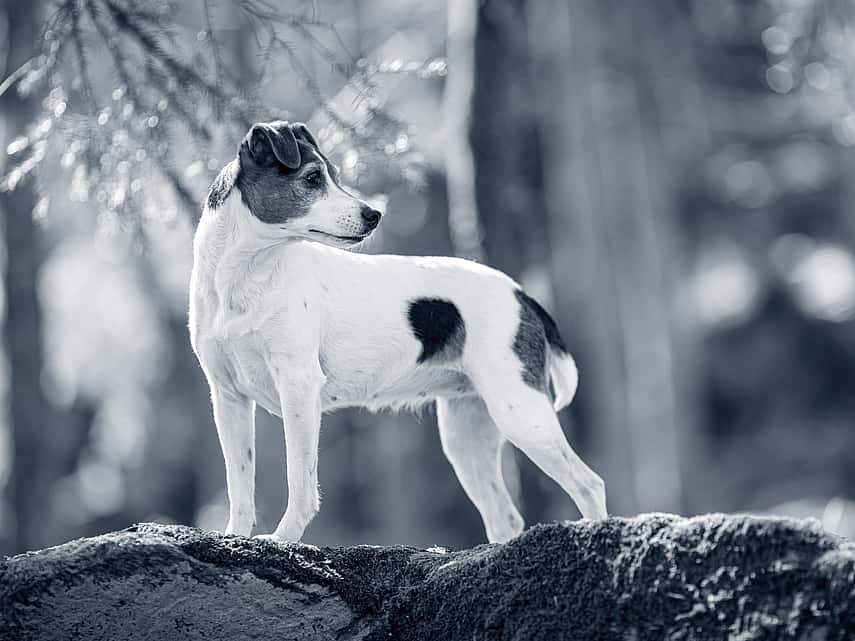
{"points": [[463, 221], [563, 41], [650, 578], [504, 141], [612, 170], [31, 419]]}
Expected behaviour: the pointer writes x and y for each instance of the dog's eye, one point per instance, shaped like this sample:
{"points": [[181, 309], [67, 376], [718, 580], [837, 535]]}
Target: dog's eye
{"points": [[314, 178]]}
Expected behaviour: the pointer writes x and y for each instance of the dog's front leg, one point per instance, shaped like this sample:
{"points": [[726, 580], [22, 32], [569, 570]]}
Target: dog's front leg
{"points": [[234, 416], [300, 395]]}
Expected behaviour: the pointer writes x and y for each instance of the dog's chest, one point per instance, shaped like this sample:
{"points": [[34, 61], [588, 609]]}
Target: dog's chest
{"points": [[246, 358], [234, 356]]}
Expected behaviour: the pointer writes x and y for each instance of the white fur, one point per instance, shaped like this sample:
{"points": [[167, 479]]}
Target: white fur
{"points": [[301, 327]]}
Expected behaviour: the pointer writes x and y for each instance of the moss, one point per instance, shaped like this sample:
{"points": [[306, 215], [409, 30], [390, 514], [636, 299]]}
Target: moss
{"points": [[656, 577], [651, 577]]}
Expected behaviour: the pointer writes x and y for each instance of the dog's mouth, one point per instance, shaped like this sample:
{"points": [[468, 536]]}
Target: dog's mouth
{"points": [[347, 239]]}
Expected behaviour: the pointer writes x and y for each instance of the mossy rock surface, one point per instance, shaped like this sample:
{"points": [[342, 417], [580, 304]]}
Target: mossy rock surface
{"points": [[651, 577]]}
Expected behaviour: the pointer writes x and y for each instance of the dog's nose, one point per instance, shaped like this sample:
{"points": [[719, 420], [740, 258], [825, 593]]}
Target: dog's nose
{"points": [[370, 216]]}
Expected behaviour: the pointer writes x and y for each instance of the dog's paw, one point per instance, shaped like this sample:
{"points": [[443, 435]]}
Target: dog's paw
{"points": [[269, 537], [273, 538]]}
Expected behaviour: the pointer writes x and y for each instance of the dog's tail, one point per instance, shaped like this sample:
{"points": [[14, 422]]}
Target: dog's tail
{"points": [[560, 364], [565, 378]]}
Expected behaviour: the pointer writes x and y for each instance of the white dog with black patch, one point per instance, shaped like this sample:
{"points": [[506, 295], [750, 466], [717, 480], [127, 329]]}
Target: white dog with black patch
{"points": [[283, 316]]}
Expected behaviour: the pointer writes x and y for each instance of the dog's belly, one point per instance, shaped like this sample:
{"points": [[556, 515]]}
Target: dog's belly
{"points": [[383, 383], [376, 391]]}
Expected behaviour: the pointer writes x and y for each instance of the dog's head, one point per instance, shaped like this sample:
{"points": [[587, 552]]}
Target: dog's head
{"points": [[287, 183]]}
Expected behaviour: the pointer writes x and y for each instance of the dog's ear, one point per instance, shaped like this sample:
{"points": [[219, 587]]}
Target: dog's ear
{"points": [[302, 131], [275, 140]]}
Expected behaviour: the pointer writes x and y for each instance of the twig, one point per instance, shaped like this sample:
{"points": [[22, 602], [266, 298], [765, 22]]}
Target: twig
{"points": [[16, 75], [216, 54], [88, 94], [182, 73]]}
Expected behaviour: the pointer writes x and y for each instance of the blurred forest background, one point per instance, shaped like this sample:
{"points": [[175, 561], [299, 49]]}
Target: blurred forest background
{"points": [[675, 180]]}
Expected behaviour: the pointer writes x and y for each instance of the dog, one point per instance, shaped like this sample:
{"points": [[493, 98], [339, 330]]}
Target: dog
{"points": [[284, 316]]}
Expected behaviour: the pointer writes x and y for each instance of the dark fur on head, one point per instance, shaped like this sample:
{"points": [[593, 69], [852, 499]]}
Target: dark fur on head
{"points": [[270, 162], [271, 158], [286, 181]]}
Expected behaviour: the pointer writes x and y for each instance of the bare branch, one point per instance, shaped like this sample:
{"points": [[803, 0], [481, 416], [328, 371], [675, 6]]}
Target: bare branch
{"points": [[16, 75], [83, 65], [182, 73], [219, 66]]}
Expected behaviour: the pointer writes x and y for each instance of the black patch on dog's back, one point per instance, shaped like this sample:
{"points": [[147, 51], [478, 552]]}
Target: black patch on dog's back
{"points": [[535, 332], [549, 327], [530, 345], [437, 324]]}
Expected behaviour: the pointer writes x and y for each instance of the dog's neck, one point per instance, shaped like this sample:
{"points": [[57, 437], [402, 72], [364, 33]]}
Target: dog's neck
{"points": [[232, 254]]}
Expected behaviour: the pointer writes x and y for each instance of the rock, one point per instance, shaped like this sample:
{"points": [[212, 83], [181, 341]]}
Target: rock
{"points": [[650, 577]]}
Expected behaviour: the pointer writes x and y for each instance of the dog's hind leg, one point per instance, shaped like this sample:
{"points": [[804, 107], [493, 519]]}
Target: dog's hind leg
{"points": [[525, 416], [473, 445], [234, 416]]}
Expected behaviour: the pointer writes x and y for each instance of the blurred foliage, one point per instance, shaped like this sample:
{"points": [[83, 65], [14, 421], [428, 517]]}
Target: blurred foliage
{"points": [[127, 80], [768, 218], [695, 240]]}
